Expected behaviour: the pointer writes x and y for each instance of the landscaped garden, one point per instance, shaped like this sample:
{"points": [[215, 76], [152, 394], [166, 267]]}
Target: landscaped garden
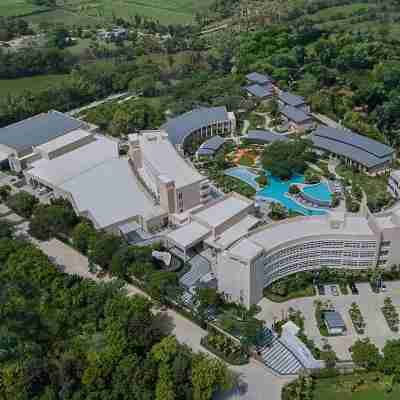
{"points": [[357, 319], [225, 348], [391, 315], [375, 188]]}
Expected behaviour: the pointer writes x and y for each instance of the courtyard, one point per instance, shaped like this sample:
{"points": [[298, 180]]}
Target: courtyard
{"points": [[370, 304]]}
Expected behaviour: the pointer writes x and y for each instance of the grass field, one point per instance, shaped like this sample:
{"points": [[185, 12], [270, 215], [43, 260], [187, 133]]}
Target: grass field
{"points": [[92, 12], [340, 388], [35, 83]]}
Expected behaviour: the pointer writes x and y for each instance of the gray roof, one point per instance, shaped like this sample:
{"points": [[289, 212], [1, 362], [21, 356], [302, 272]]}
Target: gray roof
{"points": [[260, 91], [334, 320], [291, 99], [38, 130], [295, 115], [258, 78], [354, 139], [363, 150], [265, 136], [111, 194], [182, 126], [211, 146], [199, 268]]}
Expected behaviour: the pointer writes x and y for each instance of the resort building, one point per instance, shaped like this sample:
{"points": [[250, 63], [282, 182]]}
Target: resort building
{"points": [[264, 137], [354, 150], [259, 79], [260, 92], [293, 100], [210, 147], [189, 130], [175, 184], [99, 185], [23, 142], [334, 240], [215, 226], [297, 119]]}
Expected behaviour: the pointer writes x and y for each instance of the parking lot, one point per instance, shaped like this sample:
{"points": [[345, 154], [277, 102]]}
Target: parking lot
{"points": [[370, 304]]}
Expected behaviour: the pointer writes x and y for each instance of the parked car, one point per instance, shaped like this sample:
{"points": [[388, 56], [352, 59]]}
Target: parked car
{"points": [[353, 288], [334, 290], [321, 289]]}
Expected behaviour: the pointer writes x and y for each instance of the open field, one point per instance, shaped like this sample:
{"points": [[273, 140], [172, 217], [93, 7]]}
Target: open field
{"points": [[35, 83], [92, 12]]}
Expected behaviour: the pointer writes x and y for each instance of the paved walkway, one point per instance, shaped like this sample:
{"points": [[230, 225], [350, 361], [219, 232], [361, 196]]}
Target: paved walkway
{"points": [[260, 381]]}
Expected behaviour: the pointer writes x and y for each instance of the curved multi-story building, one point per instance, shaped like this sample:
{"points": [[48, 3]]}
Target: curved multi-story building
{"points": [[198, 125], [303, 244]]}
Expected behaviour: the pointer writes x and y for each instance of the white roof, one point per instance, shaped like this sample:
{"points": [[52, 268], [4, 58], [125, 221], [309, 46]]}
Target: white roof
{"points": [[76, 162], [161, 154], [245, 250], [188, 234], [217, 214], [111, 193], [64, 140], [235, 232], [302, 227]]}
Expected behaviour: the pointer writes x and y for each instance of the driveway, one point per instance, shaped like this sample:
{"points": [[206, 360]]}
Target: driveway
{"points": [[370, 305], [261, 383]]}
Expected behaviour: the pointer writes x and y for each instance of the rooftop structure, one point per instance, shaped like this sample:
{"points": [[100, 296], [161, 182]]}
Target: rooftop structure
{"points": [[167, 162], [256, 77], [211, 146], [259, 91], [197, 121], [334, 322], [360, 150], [296, 115], [222, 211], [261, 136], [110, 195], [35, 131], [56, 171], [291, 99], [65, 140], [174, 183]]}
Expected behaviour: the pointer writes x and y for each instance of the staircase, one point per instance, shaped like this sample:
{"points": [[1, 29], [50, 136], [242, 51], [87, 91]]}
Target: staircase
{"points": [[277, 356]]}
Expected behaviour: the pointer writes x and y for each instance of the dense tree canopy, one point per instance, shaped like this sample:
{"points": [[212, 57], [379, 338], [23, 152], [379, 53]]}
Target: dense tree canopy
{"points": [[65, 337], [283, 159]]}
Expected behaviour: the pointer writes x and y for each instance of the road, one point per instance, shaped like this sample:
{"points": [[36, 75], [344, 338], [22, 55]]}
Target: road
{"points": [[261, 383]]}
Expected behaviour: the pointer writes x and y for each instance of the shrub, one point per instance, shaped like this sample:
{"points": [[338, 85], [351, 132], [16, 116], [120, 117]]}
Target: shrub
{"points": [[22, 203]]}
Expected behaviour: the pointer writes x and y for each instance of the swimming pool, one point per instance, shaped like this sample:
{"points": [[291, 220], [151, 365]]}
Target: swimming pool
{"points": [[277, 189], [320, 191]]}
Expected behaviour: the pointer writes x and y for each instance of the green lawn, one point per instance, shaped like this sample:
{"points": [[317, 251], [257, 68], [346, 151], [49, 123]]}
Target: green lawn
{"points": [[35, 83], [340, 388], [91, 12]]}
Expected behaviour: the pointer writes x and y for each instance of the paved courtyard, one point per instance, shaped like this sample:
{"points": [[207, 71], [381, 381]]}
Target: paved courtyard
{"points": [[370, 305]]}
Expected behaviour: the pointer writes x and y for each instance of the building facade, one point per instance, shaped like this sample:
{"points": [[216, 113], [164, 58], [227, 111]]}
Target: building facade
{"points": [[306, 244]]}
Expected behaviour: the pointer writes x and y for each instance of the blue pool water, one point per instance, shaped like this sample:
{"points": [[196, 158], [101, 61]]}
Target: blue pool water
{"points": [[320, 191], [277, 188]]}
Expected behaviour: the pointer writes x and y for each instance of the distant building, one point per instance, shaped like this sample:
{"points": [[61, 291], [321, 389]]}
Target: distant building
{"points": [[293, 100], [259, 79], [298, 120], [260, 92], [356, 151], [21, 143], [114, 34]]}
